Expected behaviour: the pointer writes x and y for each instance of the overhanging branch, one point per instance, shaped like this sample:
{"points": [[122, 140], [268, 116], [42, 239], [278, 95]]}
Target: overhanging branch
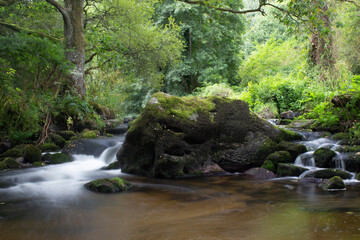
{"points": [[17, 28]]}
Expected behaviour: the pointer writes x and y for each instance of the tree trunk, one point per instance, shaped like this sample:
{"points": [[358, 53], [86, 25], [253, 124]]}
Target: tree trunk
{"points": [[321, 53], [72, 13]]}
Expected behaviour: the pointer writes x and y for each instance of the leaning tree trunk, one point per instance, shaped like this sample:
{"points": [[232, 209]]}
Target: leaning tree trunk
{"points": [[72, 13]]}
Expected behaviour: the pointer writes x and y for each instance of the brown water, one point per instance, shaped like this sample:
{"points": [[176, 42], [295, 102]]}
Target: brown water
{"points": [[223, 207]]}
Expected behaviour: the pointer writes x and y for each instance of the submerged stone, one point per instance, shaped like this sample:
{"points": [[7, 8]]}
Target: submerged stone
{"points": [[259, 173], [176, 137], [106, 185], [333, 184]]}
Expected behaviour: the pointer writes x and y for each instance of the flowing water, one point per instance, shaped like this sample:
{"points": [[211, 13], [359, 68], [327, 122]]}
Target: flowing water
{"points": [[51, 203]]}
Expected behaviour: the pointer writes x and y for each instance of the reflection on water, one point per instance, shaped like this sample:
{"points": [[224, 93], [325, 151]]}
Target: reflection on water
{"points": [[226, 207], [51, 203]]}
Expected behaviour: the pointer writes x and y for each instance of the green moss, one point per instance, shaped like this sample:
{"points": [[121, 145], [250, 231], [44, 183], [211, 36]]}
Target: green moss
{"points": [[323, 157], [109, 185], [287, 135], [268, 147], [57, 139], [11, 163], [90, 134], [14, 153], [38, 164], [357, 177], [341, 136], [293, 148], [286, 169], [269, 165], [114, 165], [333, 184], [49, 147], [32, 154], [67, 135], [57, 158], [329, 173], [109, 135], [280, 157]]}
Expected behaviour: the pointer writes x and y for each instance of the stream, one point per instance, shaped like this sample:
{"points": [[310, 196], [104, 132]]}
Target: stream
{"points": [[51, 203]]}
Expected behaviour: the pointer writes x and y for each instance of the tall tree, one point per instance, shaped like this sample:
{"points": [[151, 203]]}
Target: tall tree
{"points": [[72, 13]]}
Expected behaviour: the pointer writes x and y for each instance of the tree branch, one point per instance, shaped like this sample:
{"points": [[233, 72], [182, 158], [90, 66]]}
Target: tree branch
{"points": [[90, 58], [58, 7], [17, 28]]}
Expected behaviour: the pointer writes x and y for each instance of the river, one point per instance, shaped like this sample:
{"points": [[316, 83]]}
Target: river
{"points": [[51, 203]]}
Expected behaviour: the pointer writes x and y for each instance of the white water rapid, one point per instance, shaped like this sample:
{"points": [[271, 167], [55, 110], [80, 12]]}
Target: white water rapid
{"points": [[62, 181]]}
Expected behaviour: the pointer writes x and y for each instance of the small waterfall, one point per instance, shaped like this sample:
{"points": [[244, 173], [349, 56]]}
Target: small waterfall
{"points": [[273, 121], [305, 159]]}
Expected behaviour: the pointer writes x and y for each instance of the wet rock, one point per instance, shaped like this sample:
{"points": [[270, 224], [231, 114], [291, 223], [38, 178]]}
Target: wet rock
{"points": [[118, 129], [108, 185], [340, 136], [280, 157], [323, 157], [269, 165], [89, 134], [13, 153], [176, 137], [49, 147], [57, 158], [333, 184], [32, 154], [9, 163], [113, 165], [259, 173], [306, 123], [293, 148], [56, 139], [289, 115], [287, 169], [352, 162], [329, 173]]}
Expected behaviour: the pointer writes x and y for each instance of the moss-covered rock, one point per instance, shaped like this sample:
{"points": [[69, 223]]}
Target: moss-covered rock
{"points": [[9, 163], [32, 154], [340, 136], [38, 164], [329, 173], [287, 169], [323, 157], [287, 135], [176, 137], [357, 176], [109, 185], [49, 147], [280, 157], [113, 165], [13, 153], [269, 165], [333, 184], [56, 139], [57, 158], [67, 135], [293, 148], [90, 134]]}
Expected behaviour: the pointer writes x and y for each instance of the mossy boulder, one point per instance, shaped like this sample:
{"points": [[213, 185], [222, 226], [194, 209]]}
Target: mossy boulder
{"points": [[176, 137], [269, 165], [323, 157], [13, 153], [352, 162], [328, 173], [111, 166], [57, 158], [90, 134], [357, 176], [67, 135], [293, 148], [56, 139], [49, 147], [106, 185], [32, 154], [280, 157], [9, 163], [287, 169], [340, 136], [333, 184]]}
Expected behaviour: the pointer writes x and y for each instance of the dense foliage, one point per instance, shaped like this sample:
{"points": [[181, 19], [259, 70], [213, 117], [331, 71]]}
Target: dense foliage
{"points": [[299, 55]]}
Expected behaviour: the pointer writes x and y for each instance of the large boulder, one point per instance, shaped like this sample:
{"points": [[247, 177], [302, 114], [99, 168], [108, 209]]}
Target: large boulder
{"points": [[111, 185], [323, 157], [176, 136], [333, 184]]}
